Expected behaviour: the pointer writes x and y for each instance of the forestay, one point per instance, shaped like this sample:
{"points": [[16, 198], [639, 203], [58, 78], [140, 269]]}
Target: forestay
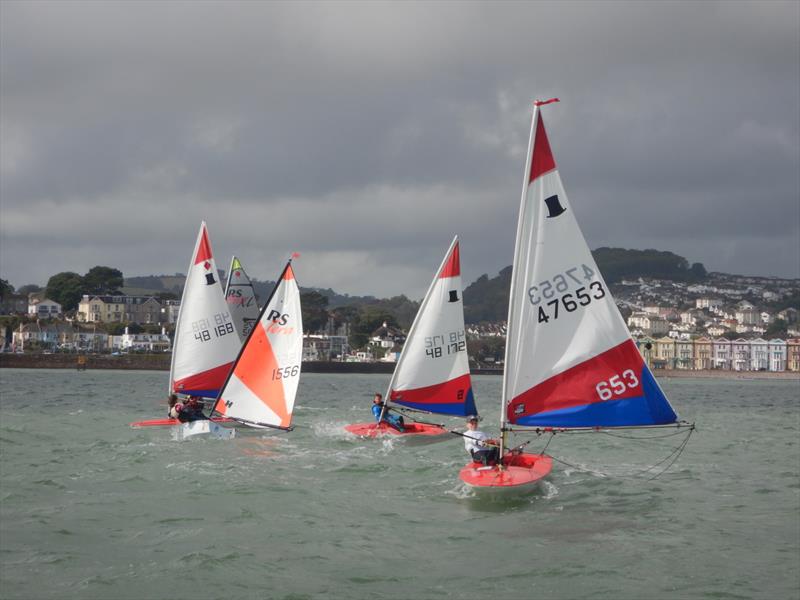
{"points": [[432, 373], [261, 388], [241, 298], [570, 360], [205, 341]]}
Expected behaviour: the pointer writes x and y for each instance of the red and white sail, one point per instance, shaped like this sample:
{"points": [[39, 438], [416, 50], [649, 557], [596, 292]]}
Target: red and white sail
{"points": [[570, 359], [241, 298], [261, 388], [206, 341], [432, 373]]}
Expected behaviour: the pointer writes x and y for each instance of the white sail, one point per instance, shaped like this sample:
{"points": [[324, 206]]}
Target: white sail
{"points": [[262, 385], [241, 298], [570, 360], [206, 341], [432, 373]]}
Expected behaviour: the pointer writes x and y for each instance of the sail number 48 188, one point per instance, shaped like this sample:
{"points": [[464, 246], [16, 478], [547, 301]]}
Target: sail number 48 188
{"points": [[617, 385]]}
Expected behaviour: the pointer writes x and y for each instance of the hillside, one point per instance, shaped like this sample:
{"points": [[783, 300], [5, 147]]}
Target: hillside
{"points": [[485, 299]]}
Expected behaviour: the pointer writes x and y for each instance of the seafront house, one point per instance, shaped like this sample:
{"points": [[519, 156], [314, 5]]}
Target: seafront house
{"points": [[90, 340], [684, 354], [35, 336], [14, 304], [664, 353], [722, 354], [703, 354], [759, 355], [170, 310], [320, 347], [740, 354], [120, 309], [44, 309], [777, 355], [645, 345], [140, 342], [793, 355]]}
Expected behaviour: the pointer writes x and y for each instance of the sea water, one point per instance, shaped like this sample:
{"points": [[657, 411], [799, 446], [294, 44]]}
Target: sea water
{"points": [[93, 509]]}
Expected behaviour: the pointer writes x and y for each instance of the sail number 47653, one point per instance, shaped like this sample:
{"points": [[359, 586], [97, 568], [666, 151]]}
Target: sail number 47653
{"points": [[549, 295], [617, 385]]}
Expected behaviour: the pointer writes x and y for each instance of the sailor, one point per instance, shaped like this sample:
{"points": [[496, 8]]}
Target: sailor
{"points": [[192, 410], [175, 407], [394, 421], [480, 446]]}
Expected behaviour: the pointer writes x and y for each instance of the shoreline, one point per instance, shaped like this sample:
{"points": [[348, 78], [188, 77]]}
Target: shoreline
{"points": [[160, 362]]}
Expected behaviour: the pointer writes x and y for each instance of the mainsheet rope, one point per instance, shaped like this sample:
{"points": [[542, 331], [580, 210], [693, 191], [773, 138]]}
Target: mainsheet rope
{"points": [[674, 454]]}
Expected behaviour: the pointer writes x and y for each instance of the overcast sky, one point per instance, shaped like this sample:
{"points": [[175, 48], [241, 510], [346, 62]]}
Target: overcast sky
{"points": [[366, 135]]}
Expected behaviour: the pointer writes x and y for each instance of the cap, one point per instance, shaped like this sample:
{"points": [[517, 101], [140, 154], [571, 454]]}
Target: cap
{"points": [[473, 418]]}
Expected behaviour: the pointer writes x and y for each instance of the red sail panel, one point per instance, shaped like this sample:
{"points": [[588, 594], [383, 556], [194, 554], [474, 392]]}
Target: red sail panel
{"points": [[542, 160], [452, 267], [204, 248], [611, 375]]}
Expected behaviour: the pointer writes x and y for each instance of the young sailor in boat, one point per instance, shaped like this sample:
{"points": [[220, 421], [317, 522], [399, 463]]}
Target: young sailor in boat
{"points": [[480, 446], [191, 410], [395, 421], [175, 407]]}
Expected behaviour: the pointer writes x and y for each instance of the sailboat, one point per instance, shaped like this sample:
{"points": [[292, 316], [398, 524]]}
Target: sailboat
{"points": [[432, 373], [205, 343], [241, 298], [570, 361], [261, 386]]}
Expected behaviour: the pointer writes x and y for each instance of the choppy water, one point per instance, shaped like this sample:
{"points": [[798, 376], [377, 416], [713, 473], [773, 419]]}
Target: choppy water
{"points": [[90, 508]]}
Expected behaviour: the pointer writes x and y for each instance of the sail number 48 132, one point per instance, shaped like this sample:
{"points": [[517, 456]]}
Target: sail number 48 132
{"points": [[617, 385]]}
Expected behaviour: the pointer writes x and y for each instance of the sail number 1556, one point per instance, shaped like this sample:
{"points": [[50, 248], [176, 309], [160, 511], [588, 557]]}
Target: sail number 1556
{"points": [[286, 372], [617, 385]]}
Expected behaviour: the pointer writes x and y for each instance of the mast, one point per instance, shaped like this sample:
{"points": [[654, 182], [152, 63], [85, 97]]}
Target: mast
{"points": [[414, 324], [514, 270], [230, 273]]}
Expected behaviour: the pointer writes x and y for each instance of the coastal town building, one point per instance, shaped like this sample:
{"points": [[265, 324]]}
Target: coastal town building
{"points": [[793, 354], [703, 354], [777, 355], [759, 355], [740, 355], [321, 347], [14, 304], [44, 308], [119, 309], [140, 342], [722, 354]]}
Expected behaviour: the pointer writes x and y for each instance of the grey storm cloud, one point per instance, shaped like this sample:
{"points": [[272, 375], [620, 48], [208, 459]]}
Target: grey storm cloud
{"points": [[365, 135]]}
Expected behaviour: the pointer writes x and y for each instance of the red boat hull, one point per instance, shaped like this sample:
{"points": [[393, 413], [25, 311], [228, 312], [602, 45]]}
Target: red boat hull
{"points": [[520, 472], [170, 422], [372, 430]]}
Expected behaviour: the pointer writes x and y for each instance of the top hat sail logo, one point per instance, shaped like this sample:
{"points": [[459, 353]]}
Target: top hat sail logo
{"points": [[554, 207], [453, 296], [209, 276]]}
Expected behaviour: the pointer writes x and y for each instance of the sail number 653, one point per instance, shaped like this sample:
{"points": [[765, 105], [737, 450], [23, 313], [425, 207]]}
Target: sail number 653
{"points": [[617, 385]]}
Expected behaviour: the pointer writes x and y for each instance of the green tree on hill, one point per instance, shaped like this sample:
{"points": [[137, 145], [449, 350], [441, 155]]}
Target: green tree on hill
{"points": [[5, 288], [102, 280], [65, 288], [315, 315]]}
